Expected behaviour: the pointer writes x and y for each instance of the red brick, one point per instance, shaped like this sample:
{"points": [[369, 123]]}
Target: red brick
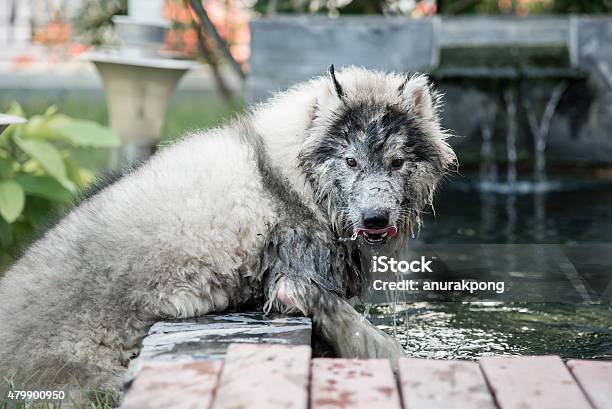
{"points": [[352, 383], [437, 384], [595, 378], [538, 382], [173, 385], [259, 376]]}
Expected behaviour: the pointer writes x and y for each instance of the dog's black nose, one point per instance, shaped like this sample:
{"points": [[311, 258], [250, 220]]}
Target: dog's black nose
{"points": [[375, 219]]}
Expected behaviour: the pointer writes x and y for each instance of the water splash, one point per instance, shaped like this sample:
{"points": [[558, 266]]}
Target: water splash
{"points": [[511, 155], [512, 126], [488, 166], [541, 130], [394, 298], [366, 309], [352, 238]]}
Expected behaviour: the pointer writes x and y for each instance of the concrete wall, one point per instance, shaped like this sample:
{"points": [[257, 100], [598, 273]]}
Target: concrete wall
{"points": [[289, 49], [473, 59]]}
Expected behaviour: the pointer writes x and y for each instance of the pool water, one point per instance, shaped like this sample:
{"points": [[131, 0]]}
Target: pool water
{"points": [[452, 330], [578, 216], [579, 213]]}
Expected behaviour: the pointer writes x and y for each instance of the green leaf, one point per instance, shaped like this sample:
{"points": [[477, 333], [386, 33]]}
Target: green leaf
{"points": [[44, 187], [6, 168], [36, 128], [39, 213], [16, 109], [49, 112], [49, 158], [80, 176], [80, 132], [12, 200], [6, 233]]}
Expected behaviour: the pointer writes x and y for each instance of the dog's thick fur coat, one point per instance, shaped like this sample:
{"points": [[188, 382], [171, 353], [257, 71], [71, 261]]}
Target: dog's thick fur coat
{"points": [[247, 215]]}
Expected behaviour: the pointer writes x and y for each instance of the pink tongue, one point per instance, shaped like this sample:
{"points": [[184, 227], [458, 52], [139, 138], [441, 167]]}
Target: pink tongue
{"points": [[391, 231]]}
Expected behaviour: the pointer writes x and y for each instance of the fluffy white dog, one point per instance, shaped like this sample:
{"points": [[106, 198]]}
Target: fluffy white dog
{"points": [[252, 214]]}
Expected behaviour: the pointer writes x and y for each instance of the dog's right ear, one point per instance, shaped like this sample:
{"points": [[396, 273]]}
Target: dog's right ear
{"points": [[336, 88]]}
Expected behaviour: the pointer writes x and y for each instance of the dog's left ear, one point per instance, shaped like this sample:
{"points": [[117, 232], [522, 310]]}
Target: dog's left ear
{"points": [[336, 88], [418, 94]]}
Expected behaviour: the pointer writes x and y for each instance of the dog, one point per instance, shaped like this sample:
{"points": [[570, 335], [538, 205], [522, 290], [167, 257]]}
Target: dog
{"points": [[274, 210]]}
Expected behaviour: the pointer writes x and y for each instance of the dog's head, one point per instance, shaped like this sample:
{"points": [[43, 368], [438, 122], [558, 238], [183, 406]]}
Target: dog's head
{"points": [[375, 152]]}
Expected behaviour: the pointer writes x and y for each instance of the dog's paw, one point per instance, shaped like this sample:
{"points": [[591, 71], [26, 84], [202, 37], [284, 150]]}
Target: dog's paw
{"points": [[356, 337], [186, 304]]}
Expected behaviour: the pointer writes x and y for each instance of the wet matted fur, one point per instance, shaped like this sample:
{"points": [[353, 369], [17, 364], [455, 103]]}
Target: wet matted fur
{"points": [[247, 215]]}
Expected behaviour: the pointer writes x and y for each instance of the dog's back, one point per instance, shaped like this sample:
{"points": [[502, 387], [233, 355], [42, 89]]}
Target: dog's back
{"points": [[79, 301]]}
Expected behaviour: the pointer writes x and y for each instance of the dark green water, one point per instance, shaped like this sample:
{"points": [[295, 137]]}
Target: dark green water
{"points": [[580, 216]]}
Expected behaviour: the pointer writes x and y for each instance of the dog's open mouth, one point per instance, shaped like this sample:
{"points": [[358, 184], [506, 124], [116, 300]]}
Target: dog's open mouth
{"points": [[376, 236]]}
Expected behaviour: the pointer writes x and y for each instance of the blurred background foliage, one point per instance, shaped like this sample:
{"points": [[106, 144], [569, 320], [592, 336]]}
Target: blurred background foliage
{"points": [[38, 173], [523, 7], [93, 24], [416, 8]]}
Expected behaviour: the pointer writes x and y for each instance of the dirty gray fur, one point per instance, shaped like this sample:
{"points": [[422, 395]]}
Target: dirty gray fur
{"points": [[246, 214]]}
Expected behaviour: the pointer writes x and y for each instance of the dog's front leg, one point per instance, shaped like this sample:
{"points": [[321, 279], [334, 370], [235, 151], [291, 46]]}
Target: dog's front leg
{"points": [[307, 273], [348, 332]]}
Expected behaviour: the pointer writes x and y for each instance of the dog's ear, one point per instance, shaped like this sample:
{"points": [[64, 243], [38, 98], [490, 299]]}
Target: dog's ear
{"points": [[335, 86], [418, 94]]}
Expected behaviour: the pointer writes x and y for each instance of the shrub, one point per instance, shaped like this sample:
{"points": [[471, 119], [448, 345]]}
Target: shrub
{"points": [[38, 176]]}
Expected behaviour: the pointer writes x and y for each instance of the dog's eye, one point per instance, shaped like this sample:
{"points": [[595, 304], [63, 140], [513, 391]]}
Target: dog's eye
{"points": [[397, 162], [352, 162]]}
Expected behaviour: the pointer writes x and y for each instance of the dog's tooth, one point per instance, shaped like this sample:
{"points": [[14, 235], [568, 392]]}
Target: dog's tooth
{"points": [[383, 235]]}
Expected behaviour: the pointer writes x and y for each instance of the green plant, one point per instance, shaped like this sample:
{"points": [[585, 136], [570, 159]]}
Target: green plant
{"points": [[37, 174]]}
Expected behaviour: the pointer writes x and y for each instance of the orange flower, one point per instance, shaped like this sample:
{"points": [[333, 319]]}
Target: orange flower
{"points": [[231, 22], [23, 60], [190, 37], [76, 49]]}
